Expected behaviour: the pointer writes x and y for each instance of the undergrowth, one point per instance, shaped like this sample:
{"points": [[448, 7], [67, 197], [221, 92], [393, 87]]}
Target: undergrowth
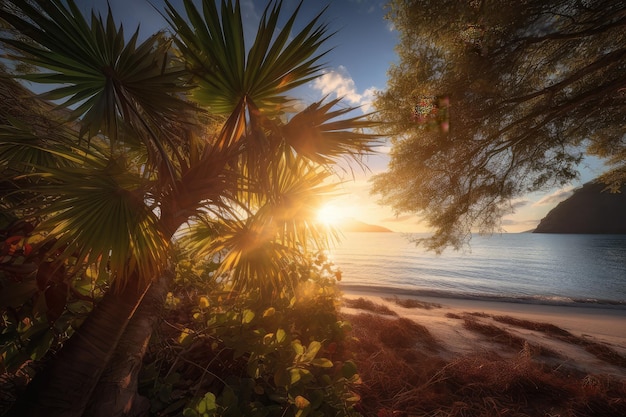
{"points": [[224, 354], [412, 303], [498, 335], [404, 375], [368, 305], [599, 350]]}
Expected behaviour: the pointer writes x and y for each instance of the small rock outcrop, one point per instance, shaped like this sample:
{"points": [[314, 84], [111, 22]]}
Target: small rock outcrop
{"points": [[352, 225]]}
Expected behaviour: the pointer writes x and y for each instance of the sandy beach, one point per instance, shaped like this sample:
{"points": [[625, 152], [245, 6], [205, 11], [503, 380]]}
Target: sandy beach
{"points": [[447, 321]]}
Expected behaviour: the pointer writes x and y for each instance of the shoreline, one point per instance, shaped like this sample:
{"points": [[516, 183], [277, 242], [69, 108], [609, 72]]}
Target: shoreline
{"points": [[522, 300], [594, 318], [444, 318]]}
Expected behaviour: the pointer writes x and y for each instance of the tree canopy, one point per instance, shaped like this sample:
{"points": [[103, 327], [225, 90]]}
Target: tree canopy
{"points": [[493, 99]]}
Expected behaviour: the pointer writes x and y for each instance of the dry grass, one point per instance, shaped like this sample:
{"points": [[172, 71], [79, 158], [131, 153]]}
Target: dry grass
{"points": [[599, 350], [503, 337], [368, 305], [412, 303], [403, 375], [547, 328]]}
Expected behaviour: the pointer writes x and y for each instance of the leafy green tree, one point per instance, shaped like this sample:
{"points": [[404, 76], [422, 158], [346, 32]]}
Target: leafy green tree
{"points": [[493, 99], [191, 131]]}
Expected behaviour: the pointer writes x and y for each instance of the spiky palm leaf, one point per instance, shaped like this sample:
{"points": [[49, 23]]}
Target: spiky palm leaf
{"points": [[22, 153], [21, 150], [251, 89], [277, 228], [214, 47], [322, 135], [208, 184], [104, 77], [85, 201], [250, 254], [97, 212], [297, 189]]}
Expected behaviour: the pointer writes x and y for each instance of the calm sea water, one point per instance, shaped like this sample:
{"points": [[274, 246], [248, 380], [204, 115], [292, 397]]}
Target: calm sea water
{"points": [[529, 268]]}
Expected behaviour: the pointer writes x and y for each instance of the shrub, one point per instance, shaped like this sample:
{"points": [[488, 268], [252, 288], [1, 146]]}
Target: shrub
{"points": [[242, 355], [368, 305]]}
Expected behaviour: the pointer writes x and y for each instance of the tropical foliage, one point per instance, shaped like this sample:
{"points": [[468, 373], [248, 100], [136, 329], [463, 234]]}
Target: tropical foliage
{"points": [[493, 99], [282, 356], [185, 136]]}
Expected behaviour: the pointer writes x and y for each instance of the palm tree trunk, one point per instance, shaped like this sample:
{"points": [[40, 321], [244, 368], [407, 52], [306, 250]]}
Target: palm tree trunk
{"points": [[116, 393], [64, 387]]}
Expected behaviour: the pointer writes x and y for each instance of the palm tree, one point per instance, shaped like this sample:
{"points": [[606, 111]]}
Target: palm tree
{"points": [[195, 129]]}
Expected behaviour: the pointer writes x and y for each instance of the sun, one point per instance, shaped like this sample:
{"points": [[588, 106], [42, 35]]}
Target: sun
{"points": [[331, 214]]}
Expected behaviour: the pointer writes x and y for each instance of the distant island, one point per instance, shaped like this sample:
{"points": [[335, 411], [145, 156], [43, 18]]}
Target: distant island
{"points": [[352, 225], [588, 211]]}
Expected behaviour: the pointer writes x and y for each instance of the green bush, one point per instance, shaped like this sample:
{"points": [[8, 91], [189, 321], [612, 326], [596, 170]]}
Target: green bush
{"points": [[43, 299], [225, 354]]}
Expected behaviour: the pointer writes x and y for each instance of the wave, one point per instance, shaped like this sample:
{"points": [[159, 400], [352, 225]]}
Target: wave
{"points": [[565, 270], [531, 299]]}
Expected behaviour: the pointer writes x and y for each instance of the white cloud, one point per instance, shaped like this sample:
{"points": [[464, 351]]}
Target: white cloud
{"points": [[338, 83], [555, 198], [518, 204]]}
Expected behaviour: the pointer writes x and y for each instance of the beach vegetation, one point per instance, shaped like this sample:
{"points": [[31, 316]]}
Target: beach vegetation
{"points": [[217, 353], [368, 305], [413, 303], [502, 336], [422, 378], [600, 350], [188, 135], [492, 100]]}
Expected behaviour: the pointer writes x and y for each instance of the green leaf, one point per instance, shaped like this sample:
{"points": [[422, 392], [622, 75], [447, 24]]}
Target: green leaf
{"points": [[349, 369], [294, 376], [228, 398], [311, 351], [165, 393], [317, 398], [281, 335], [322, 363], [40, 345], [185, 337], [190, 412], [247, 316], [281, 377], [207, 403], [297, 347]]}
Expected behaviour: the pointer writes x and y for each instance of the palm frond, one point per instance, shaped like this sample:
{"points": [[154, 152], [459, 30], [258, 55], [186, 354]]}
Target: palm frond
{"points": [[250, 255], [320, 134], [277, 229], [208, 183], [21, 149], [97, 213], [103, 77], [294, 190], [213, 44]]}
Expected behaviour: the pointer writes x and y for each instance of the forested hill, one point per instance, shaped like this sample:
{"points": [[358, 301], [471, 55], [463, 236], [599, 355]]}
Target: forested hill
{"points": [[590, 211]]}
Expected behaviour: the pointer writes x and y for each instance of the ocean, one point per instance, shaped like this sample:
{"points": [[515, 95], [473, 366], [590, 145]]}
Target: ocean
{"points": [[586, 270]]}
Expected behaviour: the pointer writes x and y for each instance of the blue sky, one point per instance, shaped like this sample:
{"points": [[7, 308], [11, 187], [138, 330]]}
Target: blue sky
{"points": [[356, 66], [362, 47]]}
